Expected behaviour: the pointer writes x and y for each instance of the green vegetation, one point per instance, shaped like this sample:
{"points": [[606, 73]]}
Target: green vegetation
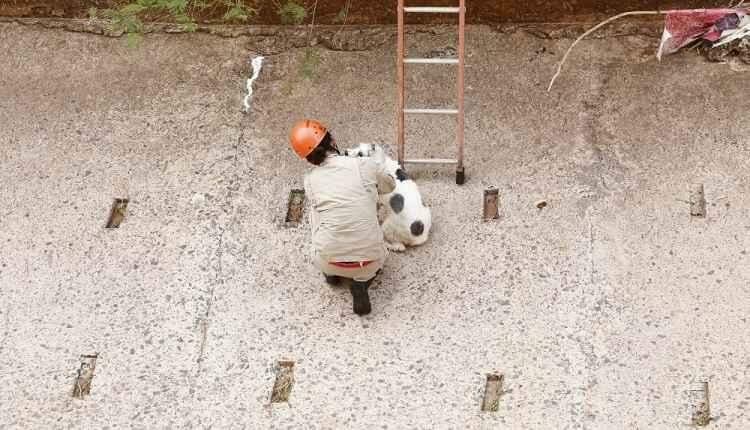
{"points": [[295, 14], [343, 13], [292, 13], [237, 11], [129, 17], [310, 63], [306, 66], [341, 16]]}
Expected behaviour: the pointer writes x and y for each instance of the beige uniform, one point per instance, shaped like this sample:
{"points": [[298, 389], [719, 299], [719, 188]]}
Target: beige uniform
{"points": [[343, 192]]}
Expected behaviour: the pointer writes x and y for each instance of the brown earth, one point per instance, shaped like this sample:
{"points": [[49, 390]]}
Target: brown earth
{"points": [[384, 12]]}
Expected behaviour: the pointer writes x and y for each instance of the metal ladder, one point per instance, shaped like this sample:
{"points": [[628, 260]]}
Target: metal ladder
{"points": [[458, 111]]}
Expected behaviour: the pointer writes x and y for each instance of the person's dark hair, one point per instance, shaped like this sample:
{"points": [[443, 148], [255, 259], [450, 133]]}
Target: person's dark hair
{"points": [[320, 153]]}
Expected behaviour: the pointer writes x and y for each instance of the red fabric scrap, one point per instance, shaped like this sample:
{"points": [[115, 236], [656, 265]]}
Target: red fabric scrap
{"points": [[681, 27]]}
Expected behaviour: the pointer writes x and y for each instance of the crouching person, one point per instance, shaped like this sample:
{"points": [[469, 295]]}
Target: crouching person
{"points": [[343, 191]]}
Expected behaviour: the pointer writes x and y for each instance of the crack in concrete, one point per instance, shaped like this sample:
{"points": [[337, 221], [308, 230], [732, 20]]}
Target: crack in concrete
{"points": [[275, 39], [590, 297], [585, 359], [592, 267], [271, 39], [6, 333], [205, 318], [605, 163]]}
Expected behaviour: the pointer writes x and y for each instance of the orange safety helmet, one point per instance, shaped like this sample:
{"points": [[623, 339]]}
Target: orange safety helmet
{"points": [[306, 136]]}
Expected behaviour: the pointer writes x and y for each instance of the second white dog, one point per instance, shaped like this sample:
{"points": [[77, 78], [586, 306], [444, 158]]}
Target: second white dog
{"points": [[408, 220]]}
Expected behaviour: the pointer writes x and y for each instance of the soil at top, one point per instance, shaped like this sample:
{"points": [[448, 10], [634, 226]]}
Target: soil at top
{"points": [[384, 12]]}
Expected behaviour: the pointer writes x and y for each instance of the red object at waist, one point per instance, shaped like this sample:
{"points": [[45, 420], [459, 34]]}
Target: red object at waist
{"points": [[350, 264]]}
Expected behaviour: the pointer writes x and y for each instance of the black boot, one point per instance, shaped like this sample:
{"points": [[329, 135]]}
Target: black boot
{"points": [[333, 280], [360, 297]]}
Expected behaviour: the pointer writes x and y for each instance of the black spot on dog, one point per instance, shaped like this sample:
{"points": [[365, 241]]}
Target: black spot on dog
{"points": [[401, 175], [397, 203], [417, 228], [360, 154]]}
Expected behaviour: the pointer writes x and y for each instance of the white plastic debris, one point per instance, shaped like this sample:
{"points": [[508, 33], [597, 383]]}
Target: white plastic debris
{"points": [[257, 63], [742, 31]]}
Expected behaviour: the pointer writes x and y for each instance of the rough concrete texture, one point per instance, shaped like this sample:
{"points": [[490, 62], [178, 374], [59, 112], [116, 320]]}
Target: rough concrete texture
{"points": [[601, 309]]}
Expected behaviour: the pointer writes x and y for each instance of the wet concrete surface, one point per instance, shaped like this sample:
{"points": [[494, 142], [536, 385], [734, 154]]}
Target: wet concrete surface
{"points": [[601, 310]]}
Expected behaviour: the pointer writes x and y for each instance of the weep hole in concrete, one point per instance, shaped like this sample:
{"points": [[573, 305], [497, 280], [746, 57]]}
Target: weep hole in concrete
{"points": [[493, 389], [697, 201], [296, 207], [490, 204], [282, 388], [117, 214], [701, 407], [82, 384]]}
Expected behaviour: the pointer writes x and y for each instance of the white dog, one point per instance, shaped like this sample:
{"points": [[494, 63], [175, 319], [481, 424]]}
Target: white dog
{"points": [[408, 220]]}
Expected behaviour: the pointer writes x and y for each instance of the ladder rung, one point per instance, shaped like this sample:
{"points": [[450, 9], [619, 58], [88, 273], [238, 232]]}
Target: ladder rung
{"points": [[433, 111], [431, 161], [423, 9], [431, 60]]}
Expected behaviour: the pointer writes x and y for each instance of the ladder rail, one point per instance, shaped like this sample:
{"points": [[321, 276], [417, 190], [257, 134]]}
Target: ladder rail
{"points": [[460, 61], [400, 73]]}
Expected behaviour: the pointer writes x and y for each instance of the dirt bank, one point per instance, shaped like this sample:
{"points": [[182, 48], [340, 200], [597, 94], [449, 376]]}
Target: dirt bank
{"points": [[384, 12]]}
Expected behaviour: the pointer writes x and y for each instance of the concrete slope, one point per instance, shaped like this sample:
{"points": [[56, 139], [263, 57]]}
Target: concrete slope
{"points": [[601, 310]]}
